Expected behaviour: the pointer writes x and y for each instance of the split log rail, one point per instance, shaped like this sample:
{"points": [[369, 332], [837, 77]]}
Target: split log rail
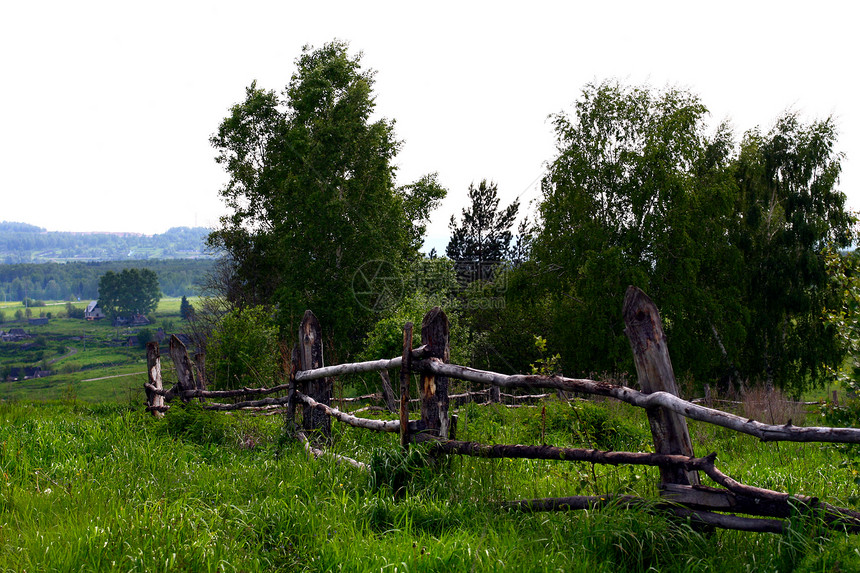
{"points": [[681, 491]]}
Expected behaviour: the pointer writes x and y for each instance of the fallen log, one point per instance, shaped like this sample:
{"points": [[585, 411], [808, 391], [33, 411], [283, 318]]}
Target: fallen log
{"points": [[374, 396], [235, 392], [777, 504], [580, 502], [764, 432], [245, 405], [318, 453], [479, 450]]}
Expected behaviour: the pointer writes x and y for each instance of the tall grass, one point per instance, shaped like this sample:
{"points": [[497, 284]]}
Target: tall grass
{"points": [[104, 488]]}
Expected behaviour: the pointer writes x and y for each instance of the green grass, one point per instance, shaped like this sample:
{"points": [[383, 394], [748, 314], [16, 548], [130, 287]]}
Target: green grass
{"points": [[91, 483], [103, 488]]}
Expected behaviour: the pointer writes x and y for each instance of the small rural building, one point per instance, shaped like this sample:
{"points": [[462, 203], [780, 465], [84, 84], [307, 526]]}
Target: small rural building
{"points": [[26, 373], [135, 320], [38, 321], [93, 312], [14, 335]]}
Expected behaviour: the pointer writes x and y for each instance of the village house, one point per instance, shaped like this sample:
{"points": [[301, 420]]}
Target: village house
{"points": [[26, 373], [135, 320], [14, 335], [93, 312]]}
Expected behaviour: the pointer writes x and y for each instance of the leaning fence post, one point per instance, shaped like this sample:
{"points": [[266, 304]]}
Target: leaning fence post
{"points": [[388, 392], [405, 370], [311, 358], [200, 369], [495, 394], [153, 368], [655, 373], [434, 389], [182, 365], [291, 394]]}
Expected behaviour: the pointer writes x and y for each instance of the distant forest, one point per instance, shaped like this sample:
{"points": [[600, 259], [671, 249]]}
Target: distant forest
{"points": [[80, 281], [23, 243]]}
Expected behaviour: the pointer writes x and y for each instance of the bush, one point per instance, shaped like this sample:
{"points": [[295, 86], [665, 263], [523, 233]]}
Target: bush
{"points": [[73, 311], [144, 336], [244, 350]]}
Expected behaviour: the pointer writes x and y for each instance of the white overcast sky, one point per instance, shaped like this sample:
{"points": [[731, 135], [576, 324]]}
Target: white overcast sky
{"points": [[107, 107]]}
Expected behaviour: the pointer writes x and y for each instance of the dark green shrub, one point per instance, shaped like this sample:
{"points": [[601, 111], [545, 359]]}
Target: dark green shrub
{"points": [[192, 423]]}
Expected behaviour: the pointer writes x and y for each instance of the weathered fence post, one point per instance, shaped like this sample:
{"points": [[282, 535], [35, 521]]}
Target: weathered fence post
{"points": [[405, 371], [434, 389], [200, 369], [291, 394], [310, 358], [153, 368], [388, 392], [495, 394], [182, 365], [655, 373]]}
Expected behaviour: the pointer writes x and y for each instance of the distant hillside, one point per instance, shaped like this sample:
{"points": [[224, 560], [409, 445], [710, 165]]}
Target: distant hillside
{"points": [[80, 280], [23, 243]]}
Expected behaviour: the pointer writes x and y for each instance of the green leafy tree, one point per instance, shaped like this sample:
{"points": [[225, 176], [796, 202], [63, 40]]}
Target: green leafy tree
{"points": [[312, 194], [132, 291], [729, 244], [791, 212], [844, 316], [480, 241], [638, 194]]}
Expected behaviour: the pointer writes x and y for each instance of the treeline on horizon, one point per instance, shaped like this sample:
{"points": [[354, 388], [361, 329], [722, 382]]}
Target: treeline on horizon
{"points": [[24, 243], [80, 281]]}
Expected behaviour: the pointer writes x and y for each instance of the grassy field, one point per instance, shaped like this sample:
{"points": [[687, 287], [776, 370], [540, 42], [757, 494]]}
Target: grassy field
{"points": [[92, 483], [90, 360], [103, 488]]}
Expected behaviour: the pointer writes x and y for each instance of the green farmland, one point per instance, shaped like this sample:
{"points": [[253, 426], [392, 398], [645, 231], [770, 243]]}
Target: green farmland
{"points": [[88, 360]]}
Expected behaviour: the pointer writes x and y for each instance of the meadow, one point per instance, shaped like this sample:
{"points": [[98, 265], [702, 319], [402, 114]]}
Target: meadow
{"points": [[109, 488], [90, 482]]}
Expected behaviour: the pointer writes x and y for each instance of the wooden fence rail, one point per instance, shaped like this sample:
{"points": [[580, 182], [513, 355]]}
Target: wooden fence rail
{"points": [[310, 384]]}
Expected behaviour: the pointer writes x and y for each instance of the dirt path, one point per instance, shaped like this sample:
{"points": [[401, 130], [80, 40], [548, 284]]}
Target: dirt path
{"points": [[114, 376], [72, 351]]}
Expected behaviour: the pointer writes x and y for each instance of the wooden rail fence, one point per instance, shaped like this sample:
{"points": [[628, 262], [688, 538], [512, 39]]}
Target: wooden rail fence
{"points": [[310, 382]]}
